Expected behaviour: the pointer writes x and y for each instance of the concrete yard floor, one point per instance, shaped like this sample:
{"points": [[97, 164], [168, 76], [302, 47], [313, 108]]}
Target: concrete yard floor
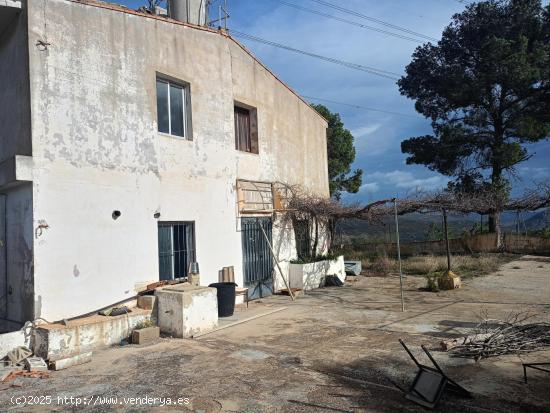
{"points": [[333, 350]]}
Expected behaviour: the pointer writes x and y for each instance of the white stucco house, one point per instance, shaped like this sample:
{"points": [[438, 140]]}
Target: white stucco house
{"points": [[132, 144]]}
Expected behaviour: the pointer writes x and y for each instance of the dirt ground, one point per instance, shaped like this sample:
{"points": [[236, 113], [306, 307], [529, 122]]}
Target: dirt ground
{"points": [[335, 349]]}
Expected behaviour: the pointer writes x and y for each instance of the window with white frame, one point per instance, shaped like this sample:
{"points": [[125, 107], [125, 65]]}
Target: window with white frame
{"points": [[173, 108]]}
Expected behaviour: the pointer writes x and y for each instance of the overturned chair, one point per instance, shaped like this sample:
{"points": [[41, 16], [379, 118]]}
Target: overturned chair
{"points": [[430, 382]]}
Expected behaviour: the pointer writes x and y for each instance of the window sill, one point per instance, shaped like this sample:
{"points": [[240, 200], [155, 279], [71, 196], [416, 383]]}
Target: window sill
{"points": [[246, 153], [179, 138]]}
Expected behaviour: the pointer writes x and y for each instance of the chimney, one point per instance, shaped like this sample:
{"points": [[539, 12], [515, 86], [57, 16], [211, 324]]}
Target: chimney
{"points": [[189, 11]]}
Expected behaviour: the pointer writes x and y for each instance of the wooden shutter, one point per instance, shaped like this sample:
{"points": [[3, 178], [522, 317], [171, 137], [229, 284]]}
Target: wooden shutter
{"points": [[242, 129]]}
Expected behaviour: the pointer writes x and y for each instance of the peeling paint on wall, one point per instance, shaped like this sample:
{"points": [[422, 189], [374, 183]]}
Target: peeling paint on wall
{"points": [[96, 149]]}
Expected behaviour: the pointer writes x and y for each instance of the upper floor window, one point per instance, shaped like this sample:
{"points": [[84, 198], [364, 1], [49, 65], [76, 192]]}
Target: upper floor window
{"points": [[174, 108], [246, 129]]}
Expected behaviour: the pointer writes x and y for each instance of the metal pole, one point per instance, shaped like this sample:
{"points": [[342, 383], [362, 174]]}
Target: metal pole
{"points": [[277, 262], [399, 254], [225, 14], [481, 223], [447, 240]]}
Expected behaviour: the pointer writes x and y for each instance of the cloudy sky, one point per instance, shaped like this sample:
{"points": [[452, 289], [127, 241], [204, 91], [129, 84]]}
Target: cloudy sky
{"points": [[377, 134]]}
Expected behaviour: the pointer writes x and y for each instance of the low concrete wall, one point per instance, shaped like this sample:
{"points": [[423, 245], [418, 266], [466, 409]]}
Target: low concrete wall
{"points": [[527, 244], [513, 243], [312, 275], [56, 341], [9, 341]]}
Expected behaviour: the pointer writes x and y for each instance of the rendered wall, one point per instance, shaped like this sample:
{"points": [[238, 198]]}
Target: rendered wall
{"points": [[96, 149]]}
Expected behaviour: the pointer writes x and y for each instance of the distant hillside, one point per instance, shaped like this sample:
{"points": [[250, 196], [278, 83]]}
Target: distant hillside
{"points": [[413, 227], [529, 221], [421, 227]]}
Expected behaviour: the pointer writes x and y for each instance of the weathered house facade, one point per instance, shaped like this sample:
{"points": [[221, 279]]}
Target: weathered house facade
{"points": [[128, 145]]}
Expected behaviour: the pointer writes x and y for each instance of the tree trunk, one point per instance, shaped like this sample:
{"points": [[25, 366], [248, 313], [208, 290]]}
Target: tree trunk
{"points": [[494, 226]]}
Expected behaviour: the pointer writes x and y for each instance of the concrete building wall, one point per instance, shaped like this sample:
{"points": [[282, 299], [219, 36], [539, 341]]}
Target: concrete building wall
{"points": [[96, 149]]}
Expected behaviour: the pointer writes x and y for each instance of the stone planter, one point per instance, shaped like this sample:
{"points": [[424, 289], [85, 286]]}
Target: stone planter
{"points": [[312, 275]]}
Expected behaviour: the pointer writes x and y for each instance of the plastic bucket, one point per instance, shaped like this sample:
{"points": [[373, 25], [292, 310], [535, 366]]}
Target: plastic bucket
{"points": [[226, 298]]}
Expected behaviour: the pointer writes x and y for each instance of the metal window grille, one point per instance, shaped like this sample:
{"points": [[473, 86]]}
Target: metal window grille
{"points": [[257, 259], [176, 249]]}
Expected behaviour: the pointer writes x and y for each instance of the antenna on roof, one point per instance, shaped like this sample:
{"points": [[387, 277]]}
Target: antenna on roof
{"points": [[223, 13]]}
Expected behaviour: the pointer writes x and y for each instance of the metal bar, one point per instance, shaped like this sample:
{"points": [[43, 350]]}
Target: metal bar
{"points": [[457, 386], [399, 255], [410, 354], [447, 248], [534, 366], [432, 360], [226, 14]]}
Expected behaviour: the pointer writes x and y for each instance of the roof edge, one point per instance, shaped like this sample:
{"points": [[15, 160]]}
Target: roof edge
{"points": [[122, 9]]}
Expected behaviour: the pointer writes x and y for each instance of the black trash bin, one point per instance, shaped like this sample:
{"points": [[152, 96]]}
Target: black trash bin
{"points": [[226, 298]]}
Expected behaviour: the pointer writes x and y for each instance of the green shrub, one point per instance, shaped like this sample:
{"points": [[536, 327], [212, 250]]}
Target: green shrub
{"points": [[144, 324], [431, 283], [317, 258]]}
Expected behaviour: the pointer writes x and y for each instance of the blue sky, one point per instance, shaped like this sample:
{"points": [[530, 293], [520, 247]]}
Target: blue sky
{"points": [[378, 135]]}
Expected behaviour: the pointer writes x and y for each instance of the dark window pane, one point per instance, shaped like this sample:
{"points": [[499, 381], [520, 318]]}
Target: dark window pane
{"points": [[176, 110], [162, 107]]}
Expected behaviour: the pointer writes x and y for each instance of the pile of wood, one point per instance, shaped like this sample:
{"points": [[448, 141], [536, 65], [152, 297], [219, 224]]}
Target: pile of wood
{"points": [[497, 337]]}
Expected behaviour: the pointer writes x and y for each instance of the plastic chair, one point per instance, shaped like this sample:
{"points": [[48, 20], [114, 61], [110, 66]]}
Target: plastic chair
{"points": [[430, 382]]}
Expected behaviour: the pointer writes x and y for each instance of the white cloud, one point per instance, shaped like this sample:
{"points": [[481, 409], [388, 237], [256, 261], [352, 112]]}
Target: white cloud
{"points": [[373, 139], [366, 130], [370, 187], [536, 173], [406, 180]]}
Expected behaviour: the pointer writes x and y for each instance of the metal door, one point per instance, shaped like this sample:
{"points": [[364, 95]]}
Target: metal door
{"points": [[3, 260], [257, 259]]}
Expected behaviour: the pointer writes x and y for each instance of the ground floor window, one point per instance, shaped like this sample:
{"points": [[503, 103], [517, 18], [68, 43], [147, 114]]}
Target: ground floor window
{"points": [[176, 249]]}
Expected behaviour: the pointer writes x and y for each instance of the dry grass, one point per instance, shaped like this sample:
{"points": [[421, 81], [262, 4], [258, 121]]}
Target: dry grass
{"points": [[380, 266], [464, 265]]}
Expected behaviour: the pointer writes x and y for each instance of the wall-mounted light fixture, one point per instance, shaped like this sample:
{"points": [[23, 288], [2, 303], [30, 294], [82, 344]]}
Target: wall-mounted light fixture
{"points": [[157, 215], [116, 214]]}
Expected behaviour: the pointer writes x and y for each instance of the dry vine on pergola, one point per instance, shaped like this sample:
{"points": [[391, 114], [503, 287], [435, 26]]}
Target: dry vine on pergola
{"points": [[323, 213]]}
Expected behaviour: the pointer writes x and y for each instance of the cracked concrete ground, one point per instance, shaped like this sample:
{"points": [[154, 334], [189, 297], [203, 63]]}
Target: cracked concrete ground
{"points": [[334, 349]]}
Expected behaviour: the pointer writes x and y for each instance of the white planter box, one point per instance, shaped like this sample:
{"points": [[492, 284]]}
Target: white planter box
{"points": [[312, 275]]}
